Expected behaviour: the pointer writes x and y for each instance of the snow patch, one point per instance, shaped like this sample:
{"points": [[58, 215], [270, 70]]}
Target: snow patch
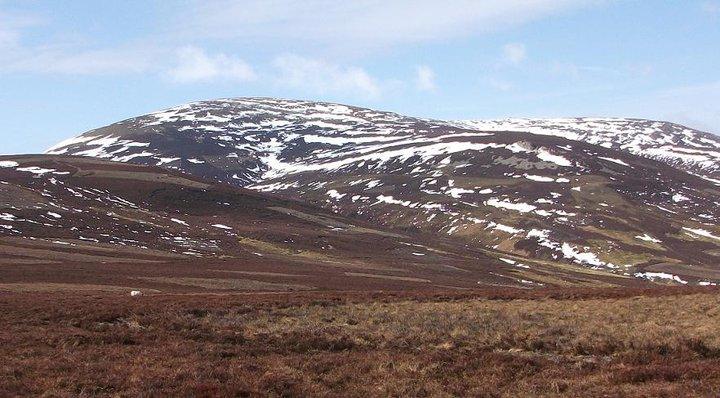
{"points": [[701, 232], [648, 238], [504, 204], [654, 276], [613, 160], [545, 155], [8, 164]]}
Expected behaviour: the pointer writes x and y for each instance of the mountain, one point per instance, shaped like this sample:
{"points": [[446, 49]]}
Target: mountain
{"points": [[687, 149], [87, 222], [625, 196]]}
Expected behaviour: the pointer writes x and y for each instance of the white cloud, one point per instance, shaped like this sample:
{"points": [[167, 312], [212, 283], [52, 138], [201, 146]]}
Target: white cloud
{"points": [[8, 35], [711, 7], [500, 84], [195, 65], [514, 53], [75, 58], [62, 57], [321, 77], [191, 64], [573, 71], [425, 78], [66, 61], [348, 25], [11, 26], [361, 24], [352, 26]]}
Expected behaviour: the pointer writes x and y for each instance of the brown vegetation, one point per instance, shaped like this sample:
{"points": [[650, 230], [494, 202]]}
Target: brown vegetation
{"points": [[609, 342]]}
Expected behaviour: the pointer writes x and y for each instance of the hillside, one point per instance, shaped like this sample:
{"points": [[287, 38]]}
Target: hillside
{"points": [[633, 197], [81, 223]]}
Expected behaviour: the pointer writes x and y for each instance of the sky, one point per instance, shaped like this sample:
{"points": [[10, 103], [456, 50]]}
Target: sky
{"points": [[70, 66]]}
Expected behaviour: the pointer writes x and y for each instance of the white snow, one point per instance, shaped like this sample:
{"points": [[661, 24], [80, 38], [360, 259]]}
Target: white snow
{"points": [[335, 194], [373, 183], [648, 238], [618, 161], [571, 252], [513, 263], [659, 275], [390, 200], [8, 164], [701, 232], [35, 170], [521, 207], [458, 192], [505, 228], [545, 155], [538, 178], [7, 217], [60, 147], [163, 161]]}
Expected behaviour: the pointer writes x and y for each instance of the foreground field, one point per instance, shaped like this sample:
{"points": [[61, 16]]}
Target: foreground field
{"points": [[609, 342]]}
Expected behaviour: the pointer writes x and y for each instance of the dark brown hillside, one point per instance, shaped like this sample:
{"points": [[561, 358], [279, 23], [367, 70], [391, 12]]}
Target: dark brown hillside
{"points": [[78, 224]]}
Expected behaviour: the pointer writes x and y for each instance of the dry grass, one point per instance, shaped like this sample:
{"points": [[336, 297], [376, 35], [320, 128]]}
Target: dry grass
{"points": [[305, 345], [68, 287], [228, 284], [390, 277], [142, 176]]}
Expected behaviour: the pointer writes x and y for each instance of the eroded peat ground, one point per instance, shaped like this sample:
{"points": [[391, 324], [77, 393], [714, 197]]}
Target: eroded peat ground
{"points": [[549, 342]]}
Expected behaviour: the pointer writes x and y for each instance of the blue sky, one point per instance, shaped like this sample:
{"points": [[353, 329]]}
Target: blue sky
{"points": [[69, 66]]}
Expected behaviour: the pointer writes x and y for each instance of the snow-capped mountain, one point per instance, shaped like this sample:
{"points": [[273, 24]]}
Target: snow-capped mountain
{"points": [[634, 197], [688, 149]]}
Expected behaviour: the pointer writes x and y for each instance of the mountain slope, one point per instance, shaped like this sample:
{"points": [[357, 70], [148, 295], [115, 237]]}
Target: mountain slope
{"points": [[565, 191], [81, 222], [687, 149]]}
